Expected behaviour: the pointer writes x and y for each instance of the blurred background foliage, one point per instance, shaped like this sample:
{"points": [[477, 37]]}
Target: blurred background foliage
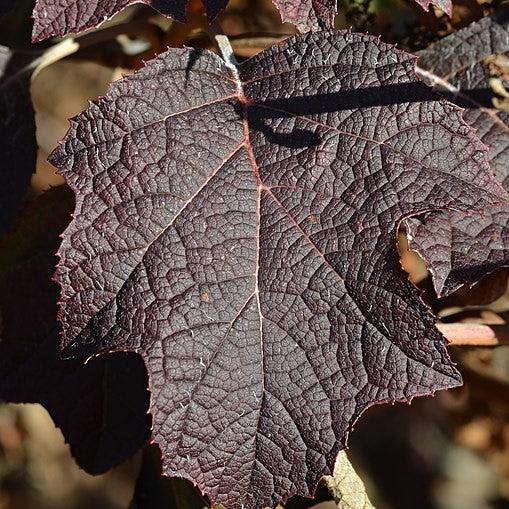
{"points": [[447, 452]]}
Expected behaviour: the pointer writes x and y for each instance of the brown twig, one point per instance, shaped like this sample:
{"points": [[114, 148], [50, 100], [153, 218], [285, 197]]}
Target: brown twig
{"points": [[474, 334], [137, 28], [71, 45], [222, 42]]}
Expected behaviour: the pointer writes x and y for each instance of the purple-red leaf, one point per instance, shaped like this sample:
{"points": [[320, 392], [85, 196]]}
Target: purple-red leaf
{"points": [[101, 407], [68, 16], [308, 15], [237, 228], [18, 146], [459, 248]]}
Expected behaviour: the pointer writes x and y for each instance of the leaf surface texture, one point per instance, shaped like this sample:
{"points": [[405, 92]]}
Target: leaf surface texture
{"points": [[308, 14]]}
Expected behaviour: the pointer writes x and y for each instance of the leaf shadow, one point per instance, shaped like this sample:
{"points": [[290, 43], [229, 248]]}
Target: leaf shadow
{"points": [[195, 54], [102, 406], [18, 144], [260, 113]]}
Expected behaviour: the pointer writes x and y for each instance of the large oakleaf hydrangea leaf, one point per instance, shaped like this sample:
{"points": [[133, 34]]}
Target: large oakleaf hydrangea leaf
{"points": [[462, 248], [308, 14], [18, 146], [68, 16], [237, 229], [101, 408]]}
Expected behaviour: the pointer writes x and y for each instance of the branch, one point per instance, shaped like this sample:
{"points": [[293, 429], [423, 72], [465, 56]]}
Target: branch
{"points": [[71, 45], [137, 28], [474, 334], [222, 42]]}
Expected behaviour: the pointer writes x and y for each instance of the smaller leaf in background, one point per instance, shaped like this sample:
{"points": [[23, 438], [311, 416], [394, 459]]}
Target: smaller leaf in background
{"points": [[70, 16], [461, 248], [6, 6], [18, 146], [308, 15], [16, 23], [444, 5], [346, 486], [101, 407]]}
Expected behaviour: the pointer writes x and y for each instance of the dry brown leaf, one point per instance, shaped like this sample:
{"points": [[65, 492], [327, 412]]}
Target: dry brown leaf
{"points": [[346, 486]]}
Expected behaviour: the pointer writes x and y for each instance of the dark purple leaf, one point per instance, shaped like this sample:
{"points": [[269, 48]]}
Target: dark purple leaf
{"points": [[238, 231], [308, 14], [459, 248], [68, 16], [6, 6], [101, 407], [18, 146]]}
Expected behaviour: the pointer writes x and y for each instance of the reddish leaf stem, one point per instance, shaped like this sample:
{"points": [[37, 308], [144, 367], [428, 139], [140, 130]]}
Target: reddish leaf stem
{"points": [[474, 334]]}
